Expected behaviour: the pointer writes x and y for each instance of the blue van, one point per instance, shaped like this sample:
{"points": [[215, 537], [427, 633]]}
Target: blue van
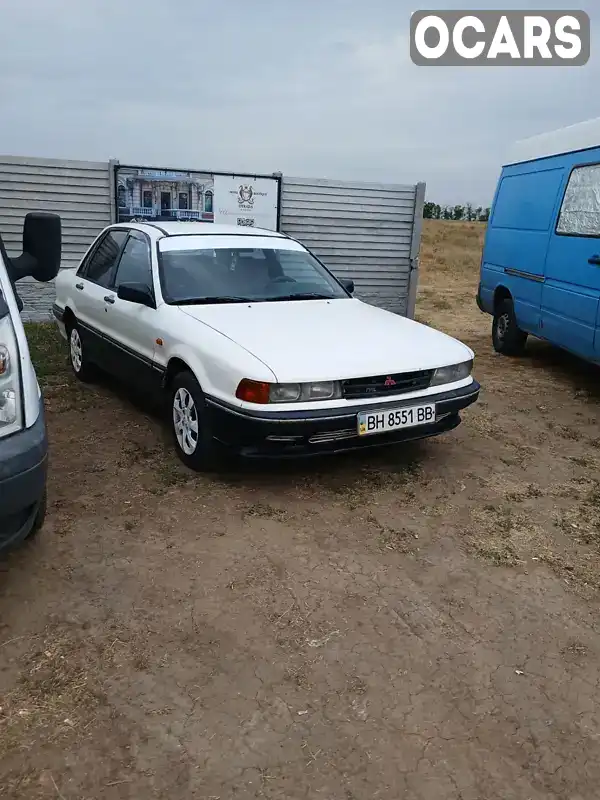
{"points": [[540, 268]]}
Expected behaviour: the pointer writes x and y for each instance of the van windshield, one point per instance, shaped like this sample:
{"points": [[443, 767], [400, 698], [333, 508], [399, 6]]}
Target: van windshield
{"points": [[236, 275]]}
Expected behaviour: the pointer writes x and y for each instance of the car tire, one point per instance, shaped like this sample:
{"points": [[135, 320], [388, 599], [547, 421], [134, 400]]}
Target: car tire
{"points": [[39, 517], [82, 368], [190, 426], [507, 337]]}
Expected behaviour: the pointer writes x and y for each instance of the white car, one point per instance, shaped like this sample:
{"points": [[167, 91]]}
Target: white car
{"points": [[256, 345]]}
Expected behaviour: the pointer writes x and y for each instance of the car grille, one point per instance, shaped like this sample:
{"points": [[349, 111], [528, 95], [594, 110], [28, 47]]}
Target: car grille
{"points": [[383, 385]]}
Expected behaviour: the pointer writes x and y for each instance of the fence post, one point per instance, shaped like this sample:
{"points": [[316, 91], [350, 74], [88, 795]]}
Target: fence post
{"points": [[413, 277], [112, 175]]}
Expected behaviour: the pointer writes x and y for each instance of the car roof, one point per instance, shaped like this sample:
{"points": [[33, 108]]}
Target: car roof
{"points": [[198, 229]]}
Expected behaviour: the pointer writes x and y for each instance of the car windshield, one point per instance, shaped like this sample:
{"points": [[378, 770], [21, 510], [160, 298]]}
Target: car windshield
{"points": [[236, 275]]}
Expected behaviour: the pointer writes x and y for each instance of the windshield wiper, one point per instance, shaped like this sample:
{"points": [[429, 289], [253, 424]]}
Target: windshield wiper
{"points": [[301, 296], [221, 298]]}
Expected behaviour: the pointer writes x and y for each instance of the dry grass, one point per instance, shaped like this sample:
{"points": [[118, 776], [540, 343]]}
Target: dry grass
{"points": [[450, 258], [451, 250]]}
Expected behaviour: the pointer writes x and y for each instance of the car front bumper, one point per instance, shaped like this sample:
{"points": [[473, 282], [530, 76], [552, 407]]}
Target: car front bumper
{"points": [[23, 472], [294, 434]]}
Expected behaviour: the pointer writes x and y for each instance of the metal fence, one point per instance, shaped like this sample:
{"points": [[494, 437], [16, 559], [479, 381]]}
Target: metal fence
{"points": [[369, 232]]}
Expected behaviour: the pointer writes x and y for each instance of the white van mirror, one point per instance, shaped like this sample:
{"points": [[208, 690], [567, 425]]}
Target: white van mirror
{"points": [[40, 258]]}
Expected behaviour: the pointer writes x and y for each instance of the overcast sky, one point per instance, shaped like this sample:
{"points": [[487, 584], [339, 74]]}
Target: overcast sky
{"points": [[315, 88]]}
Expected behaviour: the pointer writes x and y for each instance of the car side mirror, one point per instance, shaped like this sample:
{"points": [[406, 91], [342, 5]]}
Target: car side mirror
{"points": [[348, 285], [42, 243], [136, 293]]}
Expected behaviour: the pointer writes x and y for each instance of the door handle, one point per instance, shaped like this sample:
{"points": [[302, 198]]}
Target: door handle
{"points": [[594, 260], [79, 285], [109, 298]]}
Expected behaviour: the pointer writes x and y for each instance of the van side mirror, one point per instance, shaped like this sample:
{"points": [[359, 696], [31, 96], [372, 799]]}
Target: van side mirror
{"points": [[348, 285], [42, 244]]}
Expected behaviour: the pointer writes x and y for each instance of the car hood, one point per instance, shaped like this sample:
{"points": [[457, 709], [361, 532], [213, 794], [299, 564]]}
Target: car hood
{"points": [[312, 340]]}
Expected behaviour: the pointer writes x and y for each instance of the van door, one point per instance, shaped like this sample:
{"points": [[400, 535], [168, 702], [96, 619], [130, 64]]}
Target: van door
{"points": [[571, 292], [516, 241]]}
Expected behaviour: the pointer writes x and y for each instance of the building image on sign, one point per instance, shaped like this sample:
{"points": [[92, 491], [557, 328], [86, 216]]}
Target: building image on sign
{"points": [[151, 194]]}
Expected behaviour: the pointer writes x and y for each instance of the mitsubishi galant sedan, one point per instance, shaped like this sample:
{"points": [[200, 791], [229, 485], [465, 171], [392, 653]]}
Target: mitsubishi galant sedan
{"points": [[256, 347]]}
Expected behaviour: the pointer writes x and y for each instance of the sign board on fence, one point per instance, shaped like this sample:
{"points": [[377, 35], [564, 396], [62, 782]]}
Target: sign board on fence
{"points": [[152, 193], [246, 201]]}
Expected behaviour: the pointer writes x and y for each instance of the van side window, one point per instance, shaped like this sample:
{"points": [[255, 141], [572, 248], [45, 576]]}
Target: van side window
{"points": [[580, 212]]}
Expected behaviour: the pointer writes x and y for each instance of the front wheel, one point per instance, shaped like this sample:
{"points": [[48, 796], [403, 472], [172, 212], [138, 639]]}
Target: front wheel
{"points": [[507, 337], [192, 435]]}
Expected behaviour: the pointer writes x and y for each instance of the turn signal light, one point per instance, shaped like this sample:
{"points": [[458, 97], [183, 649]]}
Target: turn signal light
{"points": [[253, 391]]}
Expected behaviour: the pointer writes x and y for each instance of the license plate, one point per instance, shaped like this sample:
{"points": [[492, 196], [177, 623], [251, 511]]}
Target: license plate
{"points": [[394, 418]]}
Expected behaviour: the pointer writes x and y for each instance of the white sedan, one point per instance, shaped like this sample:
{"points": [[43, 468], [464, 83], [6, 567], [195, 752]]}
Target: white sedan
{"points": [[256, 345]]}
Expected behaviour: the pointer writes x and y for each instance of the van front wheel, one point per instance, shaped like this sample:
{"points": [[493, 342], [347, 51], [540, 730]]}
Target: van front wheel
{"points": [[507, 337]]}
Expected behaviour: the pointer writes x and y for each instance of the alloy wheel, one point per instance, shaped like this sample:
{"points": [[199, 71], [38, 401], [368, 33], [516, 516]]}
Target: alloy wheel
{"points": [[76, 350], [185, 421]]}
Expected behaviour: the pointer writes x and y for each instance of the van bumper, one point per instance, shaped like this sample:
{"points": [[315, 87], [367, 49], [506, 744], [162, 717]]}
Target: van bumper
{"points": [[296, 434], [23, 475]]}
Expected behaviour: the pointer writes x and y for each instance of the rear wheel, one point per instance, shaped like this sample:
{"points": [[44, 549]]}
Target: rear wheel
{"points": [[192, 435], [507, 337], [80, 365]]}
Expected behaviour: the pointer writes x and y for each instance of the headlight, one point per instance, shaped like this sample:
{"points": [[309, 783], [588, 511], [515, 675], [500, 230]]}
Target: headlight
{"points": [[451, 374], [326, 390], [258, 392], [301, 392], [284, 392], [10, 385]]}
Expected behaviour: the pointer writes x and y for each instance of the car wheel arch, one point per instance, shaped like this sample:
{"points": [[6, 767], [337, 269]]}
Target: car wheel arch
{"points": [[69, 317], [501, 293], [176, 365]]}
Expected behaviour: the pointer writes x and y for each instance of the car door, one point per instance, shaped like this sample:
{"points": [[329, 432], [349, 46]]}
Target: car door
{"points": [[132, 327], [571, 292], [91, 287]]}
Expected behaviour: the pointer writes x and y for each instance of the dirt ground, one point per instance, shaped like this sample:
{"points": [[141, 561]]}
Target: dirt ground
{"points": [[414, 624]]}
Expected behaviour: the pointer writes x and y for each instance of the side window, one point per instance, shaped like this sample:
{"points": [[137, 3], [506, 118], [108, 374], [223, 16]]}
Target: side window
{"points": [[580, 211], [135, 265], [100, 265]]}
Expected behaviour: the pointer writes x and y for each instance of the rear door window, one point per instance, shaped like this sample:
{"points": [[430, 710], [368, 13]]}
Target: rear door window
{"points": [[135, 265], [99, 268]]}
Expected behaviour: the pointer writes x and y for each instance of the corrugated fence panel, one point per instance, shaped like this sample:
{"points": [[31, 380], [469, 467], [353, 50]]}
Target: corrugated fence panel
{"points": [[79, 191], [363, 231]]}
